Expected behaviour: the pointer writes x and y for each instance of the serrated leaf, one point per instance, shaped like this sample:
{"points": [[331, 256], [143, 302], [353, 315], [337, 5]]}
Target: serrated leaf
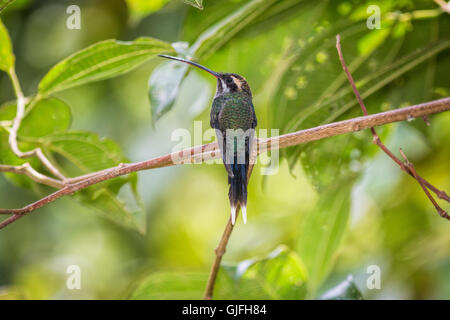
{"points": [[87, 151], [84, 153], [195, 3], [164, 82], [346, 290], [100, 61], [280, 275], [171, 286], [48, 116], [6, 53], [164, 85], [321, 233], [314, 90]]}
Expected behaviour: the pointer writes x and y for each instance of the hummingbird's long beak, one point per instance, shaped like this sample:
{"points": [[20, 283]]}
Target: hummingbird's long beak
{"points": [[215, 74]]}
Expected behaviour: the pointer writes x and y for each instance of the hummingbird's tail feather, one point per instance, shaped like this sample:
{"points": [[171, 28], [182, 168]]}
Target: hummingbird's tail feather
{"points": [[238, 190], [233, 215], [244, 213]]}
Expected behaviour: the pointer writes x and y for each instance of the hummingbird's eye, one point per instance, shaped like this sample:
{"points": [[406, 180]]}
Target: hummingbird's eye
{"points": [[229, 80]]}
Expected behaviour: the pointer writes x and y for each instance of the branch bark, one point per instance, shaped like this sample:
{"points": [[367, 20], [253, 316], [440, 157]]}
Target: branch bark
{"points": [[407, 166], [210, 151], [220, 251]]}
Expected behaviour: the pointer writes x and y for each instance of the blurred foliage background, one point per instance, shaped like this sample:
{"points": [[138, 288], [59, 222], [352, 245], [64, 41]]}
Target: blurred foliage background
{"points": [[334, 207]]}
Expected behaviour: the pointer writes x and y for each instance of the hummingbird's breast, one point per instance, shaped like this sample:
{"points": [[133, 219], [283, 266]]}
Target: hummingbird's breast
{"points": [[233, 111]]}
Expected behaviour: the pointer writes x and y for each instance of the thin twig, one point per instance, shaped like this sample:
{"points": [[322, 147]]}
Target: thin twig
{"points": [[441, 212], [29, 171], [222, 246], [21, 101], [376, 139], [210, 151], [220, 251]]}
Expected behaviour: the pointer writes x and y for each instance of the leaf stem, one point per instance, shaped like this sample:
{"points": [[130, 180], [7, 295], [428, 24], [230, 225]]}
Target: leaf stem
{"points": [[20, 113]]}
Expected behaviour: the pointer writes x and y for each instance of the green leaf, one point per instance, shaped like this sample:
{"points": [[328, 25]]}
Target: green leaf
{"points": [[6, 54], [86, 150], [8, 110], [280, 275], [321, 233], [140, 8], [314, 90], [164, 83], [195, 3], [84, 153], [171, 286], [220, 33], [78, 153], [15, 5], [48, 116], [346, 290], [9, 158], [100, 61]]}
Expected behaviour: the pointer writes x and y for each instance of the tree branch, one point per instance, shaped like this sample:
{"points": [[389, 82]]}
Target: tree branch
{"points": [[407, 167], [411, 168], [220, 251], [210, 151], [28, 170]]}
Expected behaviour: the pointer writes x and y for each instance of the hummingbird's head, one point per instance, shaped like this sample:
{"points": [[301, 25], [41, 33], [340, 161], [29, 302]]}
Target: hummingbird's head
{"points": [[226, 82], [232, 82]]}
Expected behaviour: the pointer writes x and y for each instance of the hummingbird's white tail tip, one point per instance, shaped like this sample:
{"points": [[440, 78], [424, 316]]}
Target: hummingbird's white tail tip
{"points": [[244, 214], [233, 215]]}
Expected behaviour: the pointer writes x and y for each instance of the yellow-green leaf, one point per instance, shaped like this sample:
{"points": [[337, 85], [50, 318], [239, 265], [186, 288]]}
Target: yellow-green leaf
{"points": [[6, 54], [100, 61], [140, 8]]}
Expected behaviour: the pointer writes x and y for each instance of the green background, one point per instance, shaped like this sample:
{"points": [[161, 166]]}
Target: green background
{"points": [[334, 207]]}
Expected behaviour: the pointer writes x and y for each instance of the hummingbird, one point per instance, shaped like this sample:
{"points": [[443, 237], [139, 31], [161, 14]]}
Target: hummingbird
{"points": [[234, 120]]}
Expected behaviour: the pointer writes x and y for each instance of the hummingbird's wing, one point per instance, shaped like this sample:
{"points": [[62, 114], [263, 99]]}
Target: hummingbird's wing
{"points": [[221, 137], [252, 145], [222, 142]]}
